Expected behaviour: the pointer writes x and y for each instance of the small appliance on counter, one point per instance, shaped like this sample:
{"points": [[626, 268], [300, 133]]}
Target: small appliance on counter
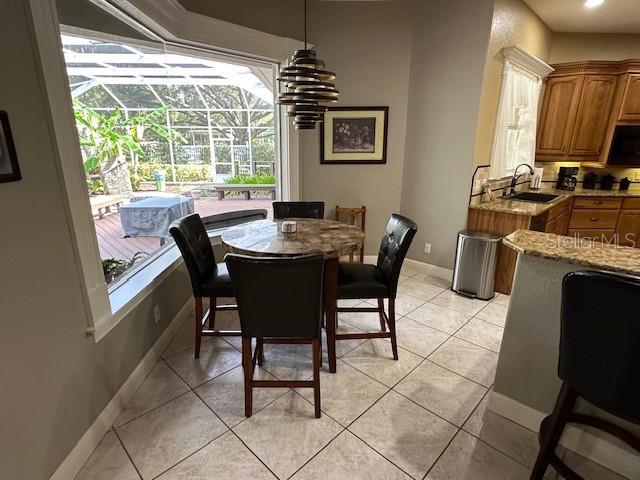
{"points": [[607, 181], [624, 183], [536, 178], [589, 181], [567, 178]]}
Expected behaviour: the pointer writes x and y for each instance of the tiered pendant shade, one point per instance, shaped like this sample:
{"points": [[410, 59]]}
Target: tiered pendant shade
{"points": [[307, 87]]}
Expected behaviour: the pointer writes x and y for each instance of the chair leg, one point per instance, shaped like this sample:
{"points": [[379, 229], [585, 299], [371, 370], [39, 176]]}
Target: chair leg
{"points": [[247, 366], [199, 315], [383, 324], [550, 435], [317, 358], [260, 352], [392, 327], [212, 312]]}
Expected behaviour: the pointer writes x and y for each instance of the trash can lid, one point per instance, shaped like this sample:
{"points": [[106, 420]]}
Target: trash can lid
{"points": [[477, 235]]}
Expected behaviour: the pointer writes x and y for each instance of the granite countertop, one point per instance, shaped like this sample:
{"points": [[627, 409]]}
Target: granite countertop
{"points": [[518, 207], [584, 252]]}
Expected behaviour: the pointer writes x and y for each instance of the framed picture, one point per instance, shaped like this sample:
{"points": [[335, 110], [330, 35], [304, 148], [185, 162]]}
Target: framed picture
{"points": [[9, 169], [354, 135]]}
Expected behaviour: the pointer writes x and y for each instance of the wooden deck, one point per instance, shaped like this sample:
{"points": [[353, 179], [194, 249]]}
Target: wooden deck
{"points": [[111, 236]]}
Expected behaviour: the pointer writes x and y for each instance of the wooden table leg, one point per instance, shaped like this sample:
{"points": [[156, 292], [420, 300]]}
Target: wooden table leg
{"points": [[330, 305]]}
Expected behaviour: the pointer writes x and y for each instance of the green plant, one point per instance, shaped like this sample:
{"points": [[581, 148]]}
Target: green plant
{"points": [[251, 180], [116, 266], [184, 173], [108, 138], [95, 186]]}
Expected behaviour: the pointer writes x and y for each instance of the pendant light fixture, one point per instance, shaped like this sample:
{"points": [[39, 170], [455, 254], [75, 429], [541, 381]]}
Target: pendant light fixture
{"points": [[307, 86]]}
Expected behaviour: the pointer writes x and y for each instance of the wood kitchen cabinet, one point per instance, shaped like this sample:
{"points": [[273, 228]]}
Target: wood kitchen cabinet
{"points": [[559, 108], [574, 117], [630, 109], [628, 229]]}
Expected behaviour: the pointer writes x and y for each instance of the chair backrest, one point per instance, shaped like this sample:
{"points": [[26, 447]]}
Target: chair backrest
{"points": [[191, 237], [397, 238], [600, 340], [283, 210], [278, 297], [229, 219]]}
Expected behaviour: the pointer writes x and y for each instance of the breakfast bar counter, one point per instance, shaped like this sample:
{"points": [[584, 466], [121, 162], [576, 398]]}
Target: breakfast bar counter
{"points": [[527, 383]]}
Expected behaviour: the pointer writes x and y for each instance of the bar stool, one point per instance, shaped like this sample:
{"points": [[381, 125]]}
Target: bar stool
{"points": [[352, 213], [599, 361]]}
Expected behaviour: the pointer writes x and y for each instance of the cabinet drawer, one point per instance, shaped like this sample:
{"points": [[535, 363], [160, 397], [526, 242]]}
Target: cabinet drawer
{"points": [[605, 235], [597, 202], [591, 219], [559, 209], [631, 204]]}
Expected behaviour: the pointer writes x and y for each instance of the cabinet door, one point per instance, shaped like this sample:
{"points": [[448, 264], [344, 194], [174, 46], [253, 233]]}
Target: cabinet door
{"points": [[628, 229], [558, 114], [558, 225], [631, 101], [592, 118]]}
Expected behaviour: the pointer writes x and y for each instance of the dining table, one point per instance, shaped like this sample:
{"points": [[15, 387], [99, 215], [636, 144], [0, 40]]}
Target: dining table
{"points": [[264, 238]]}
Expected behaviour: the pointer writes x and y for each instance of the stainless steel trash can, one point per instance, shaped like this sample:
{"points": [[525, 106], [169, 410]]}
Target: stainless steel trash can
{"points": [[475, 264]]}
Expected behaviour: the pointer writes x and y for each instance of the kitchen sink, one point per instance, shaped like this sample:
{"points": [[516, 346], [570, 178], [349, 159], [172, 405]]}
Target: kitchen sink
{"points": [[534, 197]]}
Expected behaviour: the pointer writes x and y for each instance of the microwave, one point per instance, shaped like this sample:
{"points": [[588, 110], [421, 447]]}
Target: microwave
{"points": [[625, 147]]}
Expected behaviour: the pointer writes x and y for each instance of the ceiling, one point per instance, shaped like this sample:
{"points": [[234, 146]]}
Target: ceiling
{"points": [[614, 16]]}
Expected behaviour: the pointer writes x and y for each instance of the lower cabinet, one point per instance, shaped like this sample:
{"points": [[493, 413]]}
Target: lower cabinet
{"points": [[628, 229]]}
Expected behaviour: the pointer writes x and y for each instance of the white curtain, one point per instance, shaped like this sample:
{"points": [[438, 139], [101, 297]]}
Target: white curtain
{"points": [[515, 134]]}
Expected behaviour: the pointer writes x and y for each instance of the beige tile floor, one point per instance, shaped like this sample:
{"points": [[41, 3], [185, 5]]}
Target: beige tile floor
{"points": [[421, 417]]}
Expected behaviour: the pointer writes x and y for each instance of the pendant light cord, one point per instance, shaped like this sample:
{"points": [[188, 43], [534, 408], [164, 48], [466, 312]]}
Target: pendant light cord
{"points": [[305, 24]]}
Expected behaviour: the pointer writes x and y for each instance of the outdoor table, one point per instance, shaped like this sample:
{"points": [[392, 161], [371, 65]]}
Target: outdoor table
{"points": [[152, 216], [263, 238]]}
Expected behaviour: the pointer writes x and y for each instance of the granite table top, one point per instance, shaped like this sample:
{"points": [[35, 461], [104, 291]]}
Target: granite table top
{"points": [[264, 238], [577, 251], [533, 209]]}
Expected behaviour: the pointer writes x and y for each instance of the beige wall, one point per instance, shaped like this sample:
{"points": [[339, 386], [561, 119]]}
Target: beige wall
{"points": [[369, 47], [514, 23], [449, 51], [575, 47], [279, 17], [55, 380]]}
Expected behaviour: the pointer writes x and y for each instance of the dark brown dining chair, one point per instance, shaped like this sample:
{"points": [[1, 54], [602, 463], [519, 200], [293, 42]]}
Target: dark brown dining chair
{"points": [[282, 210], [599, 361], [279, 301], [353, 215], [380, 281], [208, 278]]}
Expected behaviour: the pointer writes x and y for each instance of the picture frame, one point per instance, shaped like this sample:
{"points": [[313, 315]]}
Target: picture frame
{"points": [[9, 168], [354, 135]]}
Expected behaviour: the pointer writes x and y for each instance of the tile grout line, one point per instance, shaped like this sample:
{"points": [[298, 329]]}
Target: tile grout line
{"points": [[135, 467]]}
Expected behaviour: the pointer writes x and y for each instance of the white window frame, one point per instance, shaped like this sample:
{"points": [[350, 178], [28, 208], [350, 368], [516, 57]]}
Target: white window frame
{"points": [[518, 59], [174, 24]]}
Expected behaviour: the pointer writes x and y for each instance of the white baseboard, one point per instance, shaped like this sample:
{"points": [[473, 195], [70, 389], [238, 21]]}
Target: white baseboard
{"points": [[71, 465], [420, 267], [595, 448]]}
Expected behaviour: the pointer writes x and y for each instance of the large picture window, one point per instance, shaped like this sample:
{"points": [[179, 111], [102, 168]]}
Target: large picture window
{"points": [[162, 132]]}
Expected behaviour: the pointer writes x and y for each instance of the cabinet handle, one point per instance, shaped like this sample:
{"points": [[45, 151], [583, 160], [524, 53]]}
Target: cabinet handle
{"points": [[593, 219], [597, 202]]}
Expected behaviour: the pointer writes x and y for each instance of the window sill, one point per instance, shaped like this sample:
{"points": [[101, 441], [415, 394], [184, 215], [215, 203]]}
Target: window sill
{"points": [[134, 289]]}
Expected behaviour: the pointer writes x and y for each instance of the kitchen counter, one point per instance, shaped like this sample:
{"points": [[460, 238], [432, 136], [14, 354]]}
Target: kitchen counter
{"points": [[526, 383], [518, 207], [575, 251]]}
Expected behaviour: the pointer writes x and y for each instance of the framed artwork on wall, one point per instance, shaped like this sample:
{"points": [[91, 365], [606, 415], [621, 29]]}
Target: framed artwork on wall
{"points": [[354, 135], [9, 169]]}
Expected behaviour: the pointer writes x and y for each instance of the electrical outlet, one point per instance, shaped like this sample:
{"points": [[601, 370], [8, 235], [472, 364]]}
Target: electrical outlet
{"points": [[427, 248], [637, 176], [156, 314]]}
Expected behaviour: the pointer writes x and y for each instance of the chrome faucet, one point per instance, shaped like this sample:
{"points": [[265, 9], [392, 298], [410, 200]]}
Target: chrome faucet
{"points": [[512, 188]]}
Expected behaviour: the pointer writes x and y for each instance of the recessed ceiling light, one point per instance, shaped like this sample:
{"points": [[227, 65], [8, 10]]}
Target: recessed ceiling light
{"points": [[593, 3]]}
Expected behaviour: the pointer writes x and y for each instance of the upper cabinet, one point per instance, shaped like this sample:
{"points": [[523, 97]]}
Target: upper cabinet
{"points": [[631, 100], [592, 116], [558, 115], [581, 105]]}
